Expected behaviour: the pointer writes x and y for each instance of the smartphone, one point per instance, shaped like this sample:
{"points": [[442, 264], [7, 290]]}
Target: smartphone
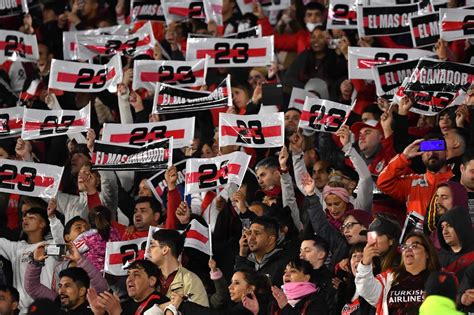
{"points": [[371, 237], [334, 43], [56, 249], [432, 145]]}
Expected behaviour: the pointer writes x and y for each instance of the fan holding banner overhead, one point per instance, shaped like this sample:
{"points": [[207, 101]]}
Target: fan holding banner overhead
{"points": [[323, 115]]}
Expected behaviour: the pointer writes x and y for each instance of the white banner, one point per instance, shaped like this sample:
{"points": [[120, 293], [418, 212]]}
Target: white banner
{"points": [[38, 123], [230, 52], [146, 73], [17, 46], [252, 131], [182, 131], [30, 179], [213, 11], [245, 6], [83, 77], [119, 255], [9, 8], [209, 174], [131, 45], [363, 59], [456, 24], [298, 97], [11, 120], [180, 10], [197, 237], [70, 43], [342, 14], [323, 115]]}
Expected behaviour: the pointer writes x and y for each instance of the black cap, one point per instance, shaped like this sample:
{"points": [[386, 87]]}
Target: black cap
{"points": [[384, 226]]}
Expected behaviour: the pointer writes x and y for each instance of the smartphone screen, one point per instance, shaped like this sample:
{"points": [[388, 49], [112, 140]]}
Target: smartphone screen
{"points": [[371, 237], [432, 145]]}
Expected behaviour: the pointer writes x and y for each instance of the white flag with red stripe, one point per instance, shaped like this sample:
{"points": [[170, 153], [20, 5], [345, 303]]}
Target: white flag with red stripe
{"points": [[34, 90], [131, 45], [28, 178], [213, 11], [232, 52], [17, 46], [323, 115], [298, 97], [182, 131], [209, 174], [119, 255], [84, 77], [456, 24], [197, 237], [180, 10], [70, 42], [363, 59], [245, 6], [146, 73], [252, 131], [39, 123], [11, 120]]}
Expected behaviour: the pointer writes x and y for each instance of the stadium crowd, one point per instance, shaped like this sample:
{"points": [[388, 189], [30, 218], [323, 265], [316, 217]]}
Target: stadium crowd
{"points": [[316, 226]]}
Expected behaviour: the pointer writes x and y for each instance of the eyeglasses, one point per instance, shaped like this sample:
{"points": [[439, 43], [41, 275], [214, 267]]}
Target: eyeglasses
{"points": [[411, 246], [348, 226]]}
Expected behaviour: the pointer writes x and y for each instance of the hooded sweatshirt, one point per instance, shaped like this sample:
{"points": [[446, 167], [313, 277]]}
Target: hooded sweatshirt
{"points": [[460, 220]]}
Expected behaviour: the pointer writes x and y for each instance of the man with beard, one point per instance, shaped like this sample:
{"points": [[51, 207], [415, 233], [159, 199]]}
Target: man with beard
{"points": [[415, 190], [72, 291]]}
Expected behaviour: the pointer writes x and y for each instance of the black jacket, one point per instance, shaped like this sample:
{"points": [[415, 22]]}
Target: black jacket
{"points": [[273, 264], [460, 220]]}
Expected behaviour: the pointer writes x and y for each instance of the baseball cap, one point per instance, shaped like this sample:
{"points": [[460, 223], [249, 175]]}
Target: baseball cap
{"points": [[358, 126], [384, 226]]}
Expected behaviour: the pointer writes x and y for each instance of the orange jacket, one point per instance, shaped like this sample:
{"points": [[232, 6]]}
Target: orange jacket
{"points": [[415, 190]]}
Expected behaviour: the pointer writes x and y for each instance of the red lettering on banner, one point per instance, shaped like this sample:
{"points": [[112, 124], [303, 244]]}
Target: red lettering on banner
{"points": [[20, 178], [24, 48], [197, 236], [125, 137], [271, 131], [117, 259], [34, 125], [13, 124], [72, 77], [232, 168], [155, 76], [102, 49], [251, 52]]}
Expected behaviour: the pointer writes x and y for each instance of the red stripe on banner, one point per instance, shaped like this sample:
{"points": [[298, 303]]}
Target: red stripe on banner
{"points": [[370, 63], [12, 124], [36, 125], [326, 120], [155, 76], [183, 11], [454, 25], [102, 49], [72, 77], [23, 48], [272, 131], [252, 52], [117, 259], [125, 137], [351, 15], [25, 179], [72, 46], [299, 101], [232, 168], [382, 80], [197, 236]]}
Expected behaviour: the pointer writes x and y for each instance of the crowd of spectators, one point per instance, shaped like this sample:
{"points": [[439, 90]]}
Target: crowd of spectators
{"points": [[314, 228]]}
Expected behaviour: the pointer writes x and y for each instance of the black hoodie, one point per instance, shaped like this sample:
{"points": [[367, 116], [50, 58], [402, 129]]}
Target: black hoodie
{"points": [[460, 220]]}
